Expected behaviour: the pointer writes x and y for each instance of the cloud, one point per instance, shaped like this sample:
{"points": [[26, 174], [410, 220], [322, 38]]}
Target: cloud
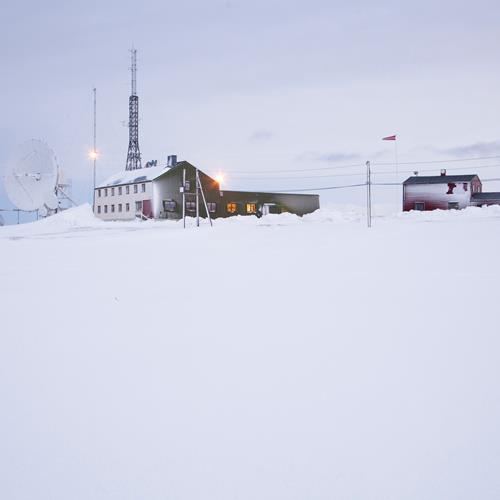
{"points": [[335, 157], [477, 149], [261, 136]]}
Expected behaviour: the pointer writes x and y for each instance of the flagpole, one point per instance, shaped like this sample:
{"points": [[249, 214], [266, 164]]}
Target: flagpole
{"points": [[397, 167], [368, 195]]}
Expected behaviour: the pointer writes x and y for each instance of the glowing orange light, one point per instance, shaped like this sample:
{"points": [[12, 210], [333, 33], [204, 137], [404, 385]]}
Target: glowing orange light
{"points": [[220, 179], [93, 155]]}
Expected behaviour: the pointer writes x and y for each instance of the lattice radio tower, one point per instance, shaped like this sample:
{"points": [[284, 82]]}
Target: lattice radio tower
{"points": [[133, 154]]}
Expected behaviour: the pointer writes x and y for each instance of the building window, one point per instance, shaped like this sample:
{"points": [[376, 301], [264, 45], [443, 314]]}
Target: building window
{"points": [[112, 208], [143, 188], [419, 205], [190, 206], [127, 207], [120, 190], [465, 186], [453, 205], [99, 193], [99, 209], [232, 208], [112, 191], [105, 209], [251, 208], [138, 206], [135, 188], [106, 192], [127, 189], [120, 207], [212, 207], [187, 186], [169, 205]]}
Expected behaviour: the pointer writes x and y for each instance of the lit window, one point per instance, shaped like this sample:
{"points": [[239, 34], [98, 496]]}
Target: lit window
{"points": [[143, 188], [135, 188], [231, 208], [112, 208], [105, 209], [99, 209], [169, 205], [138, 206], [120, 190], [127, 189], [251, 208], [127, 207], [212, 207], [190, 206], [120, 207], [106, 192], [112, 191]]}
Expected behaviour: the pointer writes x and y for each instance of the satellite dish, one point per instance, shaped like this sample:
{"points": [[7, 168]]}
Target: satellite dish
{"points": [[31, 180]]}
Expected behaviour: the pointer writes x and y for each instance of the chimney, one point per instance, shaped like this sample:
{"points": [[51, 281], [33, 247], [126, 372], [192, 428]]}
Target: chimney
{"points": [[443, 172], [172, 161]]}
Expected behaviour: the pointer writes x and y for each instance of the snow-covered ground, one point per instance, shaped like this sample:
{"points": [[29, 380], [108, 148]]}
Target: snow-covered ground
{"points": [[281, 358]]}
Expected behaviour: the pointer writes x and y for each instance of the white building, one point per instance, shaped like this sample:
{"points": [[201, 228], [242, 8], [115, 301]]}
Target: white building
{"points": [[128, 194]]}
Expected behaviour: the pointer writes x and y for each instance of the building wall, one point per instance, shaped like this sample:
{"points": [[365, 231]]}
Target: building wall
{"points": [[485, 201], [435, 196], [116, 199], [167, 188]]}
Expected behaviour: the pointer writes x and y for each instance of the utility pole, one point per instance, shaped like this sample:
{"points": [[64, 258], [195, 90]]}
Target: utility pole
{"points": [[198, 184], [368, 195], [197, 201], [184, 197]]}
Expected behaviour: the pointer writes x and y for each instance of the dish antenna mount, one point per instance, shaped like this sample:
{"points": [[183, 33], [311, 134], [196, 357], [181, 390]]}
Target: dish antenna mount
{"points": [[33, 181]]}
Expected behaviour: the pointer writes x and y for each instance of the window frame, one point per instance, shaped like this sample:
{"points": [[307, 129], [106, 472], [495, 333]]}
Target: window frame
{"points": [[253, 211], [233, 209]]}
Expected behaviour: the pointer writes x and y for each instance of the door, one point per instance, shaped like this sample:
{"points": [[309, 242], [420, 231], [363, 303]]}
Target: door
{"points": [[147, 209]]}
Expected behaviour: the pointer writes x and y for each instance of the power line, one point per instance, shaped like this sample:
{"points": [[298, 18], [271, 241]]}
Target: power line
{"points": [[387, 172], [320, 188], [333, 167]]}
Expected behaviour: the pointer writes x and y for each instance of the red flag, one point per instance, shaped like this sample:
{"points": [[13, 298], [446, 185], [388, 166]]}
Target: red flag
{"points": [[389, 138]]}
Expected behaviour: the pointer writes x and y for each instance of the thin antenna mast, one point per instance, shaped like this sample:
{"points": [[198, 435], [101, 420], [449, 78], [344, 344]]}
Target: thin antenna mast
{"points": [[94, 151], [133, 154]]}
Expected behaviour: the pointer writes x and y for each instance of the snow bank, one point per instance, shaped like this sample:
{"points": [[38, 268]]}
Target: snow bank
{"points": [[274, 358]]}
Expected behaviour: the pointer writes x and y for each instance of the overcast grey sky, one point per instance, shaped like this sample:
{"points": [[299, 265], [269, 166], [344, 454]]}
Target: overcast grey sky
{"points": [[235, 85]]}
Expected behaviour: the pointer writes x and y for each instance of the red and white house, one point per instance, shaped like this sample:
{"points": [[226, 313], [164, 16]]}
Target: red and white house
{"points": [[445, 192]]}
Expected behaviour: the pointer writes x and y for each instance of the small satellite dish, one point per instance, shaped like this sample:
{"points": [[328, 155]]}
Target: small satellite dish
{"points": [[32, 175]]}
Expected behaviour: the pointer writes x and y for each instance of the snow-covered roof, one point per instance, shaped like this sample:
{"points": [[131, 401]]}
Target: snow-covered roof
{"points": [[439, 179], [486, 196], [132, 176]]}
